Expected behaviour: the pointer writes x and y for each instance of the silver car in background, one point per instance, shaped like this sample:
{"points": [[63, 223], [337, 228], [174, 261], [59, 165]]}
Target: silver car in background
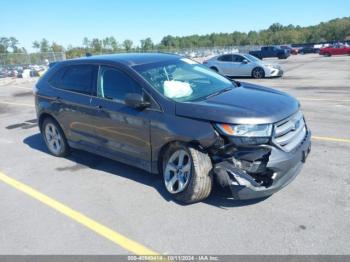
{"points": [[233, 65]]}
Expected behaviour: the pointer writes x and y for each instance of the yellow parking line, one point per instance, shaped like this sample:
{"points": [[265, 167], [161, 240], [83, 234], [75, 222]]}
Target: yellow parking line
{"points": [[16, 104], [98, 228], [334, 139]]}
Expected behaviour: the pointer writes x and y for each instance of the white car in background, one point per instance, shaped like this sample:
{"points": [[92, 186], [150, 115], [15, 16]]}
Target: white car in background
{"points": [[233, 65]]}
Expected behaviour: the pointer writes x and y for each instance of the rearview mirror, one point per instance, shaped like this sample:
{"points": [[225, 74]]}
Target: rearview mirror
{"points": [[245, 61], [137, 101]]}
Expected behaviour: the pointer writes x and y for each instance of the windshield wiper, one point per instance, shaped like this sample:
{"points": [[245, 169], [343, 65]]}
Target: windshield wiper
{"points": [[219, 92]]}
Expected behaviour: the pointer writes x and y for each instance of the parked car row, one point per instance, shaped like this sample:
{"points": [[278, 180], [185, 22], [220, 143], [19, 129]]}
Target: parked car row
{"points": [[338, 49], [284, 51], [22, 71]]}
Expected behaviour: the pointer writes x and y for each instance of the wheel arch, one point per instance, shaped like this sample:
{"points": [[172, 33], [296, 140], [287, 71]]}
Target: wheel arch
{"points": [[214, 68], [193, 143], [45, 115]]}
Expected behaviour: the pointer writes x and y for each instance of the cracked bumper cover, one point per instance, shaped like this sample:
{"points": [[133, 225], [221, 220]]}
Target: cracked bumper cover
{"points": [[284, 167]]}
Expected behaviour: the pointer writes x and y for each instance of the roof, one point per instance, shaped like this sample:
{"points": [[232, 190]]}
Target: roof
{"points": [[131, 59]]}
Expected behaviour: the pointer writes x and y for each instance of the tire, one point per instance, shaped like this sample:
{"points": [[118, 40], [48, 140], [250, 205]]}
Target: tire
{"points": [[199, 182], [258, 72], [54, 138], [214, 69], [327, 54]]}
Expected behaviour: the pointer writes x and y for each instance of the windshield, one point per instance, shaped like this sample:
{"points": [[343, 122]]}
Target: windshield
{"points": [[252, 58], [183, 80]]}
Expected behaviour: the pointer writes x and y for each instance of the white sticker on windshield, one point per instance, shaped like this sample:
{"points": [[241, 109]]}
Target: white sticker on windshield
{"points": [[188, 61], [177, 89]]}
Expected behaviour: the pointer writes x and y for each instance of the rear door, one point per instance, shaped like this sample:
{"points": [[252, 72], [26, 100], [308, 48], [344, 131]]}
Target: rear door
{"points": [[225, 65], [73, 86], [124, 132]]}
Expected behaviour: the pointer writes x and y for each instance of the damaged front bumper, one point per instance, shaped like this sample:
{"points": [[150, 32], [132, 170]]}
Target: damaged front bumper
{"points": [[262, 170]]}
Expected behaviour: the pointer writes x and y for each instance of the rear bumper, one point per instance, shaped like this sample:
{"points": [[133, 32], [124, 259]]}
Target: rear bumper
{"points": [[282, 166]]}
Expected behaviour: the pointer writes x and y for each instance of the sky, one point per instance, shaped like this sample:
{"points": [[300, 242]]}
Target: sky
{"points": [[68, 22]]}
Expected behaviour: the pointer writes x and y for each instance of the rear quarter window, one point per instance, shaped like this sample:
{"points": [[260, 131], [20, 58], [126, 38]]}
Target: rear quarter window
{"points": [[75, 78]]}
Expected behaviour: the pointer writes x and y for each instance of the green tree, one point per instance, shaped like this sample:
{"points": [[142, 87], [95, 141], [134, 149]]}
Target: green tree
{"points": [[96, 45], [56, 47], [86, 43], [147, 44], [13, 42], [4, 44], [36, 45], [44, 46], [127, 44]]}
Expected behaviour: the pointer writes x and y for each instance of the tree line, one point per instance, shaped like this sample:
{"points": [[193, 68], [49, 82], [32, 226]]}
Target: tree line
{"points": [[333, 30]]}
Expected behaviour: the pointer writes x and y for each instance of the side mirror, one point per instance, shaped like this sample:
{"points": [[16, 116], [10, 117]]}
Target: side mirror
{"points": [[136, 101], [245, 61]]}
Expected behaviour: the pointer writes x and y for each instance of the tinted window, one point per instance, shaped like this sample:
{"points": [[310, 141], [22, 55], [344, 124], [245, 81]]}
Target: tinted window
{"points": [[77, 78], [225, 58], [238, 58], [114, 84]]}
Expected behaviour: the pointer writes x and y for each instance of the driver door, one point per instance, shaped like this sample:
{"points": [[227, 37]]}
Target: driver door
{"points": [[123, 132], [239, 67]]}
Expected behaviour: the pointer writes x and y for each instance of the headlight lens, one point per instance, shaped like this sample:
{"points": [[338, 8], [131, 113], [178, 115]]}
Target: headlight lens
{"points": [[263, 130]]}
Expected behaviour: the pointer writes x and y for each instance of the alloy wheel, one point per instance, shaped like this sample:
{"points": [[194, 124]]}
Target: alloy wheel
{"points": [[53, 138], [177, 171]]}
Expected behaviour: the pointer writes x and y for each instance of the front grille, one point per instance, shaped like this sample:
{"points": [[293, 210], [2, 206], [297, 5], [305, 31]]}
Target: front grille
{"points": [[289, 133]]}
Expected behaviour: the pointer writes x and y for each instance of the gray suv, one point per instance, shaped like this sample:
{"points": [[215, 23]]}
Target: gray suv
{"points": [[169, 115]]}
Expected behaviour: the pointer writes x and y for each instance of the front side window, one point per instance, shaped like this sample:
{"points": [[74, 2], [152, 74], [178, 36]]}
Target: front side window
{"points": [[238, 58], [183, 80], [76, 78], [114, 85]]}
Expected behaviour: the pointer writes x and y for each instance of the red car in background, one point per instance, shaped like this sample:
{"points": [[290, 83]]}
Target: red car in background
{"points": [[335, 50]]}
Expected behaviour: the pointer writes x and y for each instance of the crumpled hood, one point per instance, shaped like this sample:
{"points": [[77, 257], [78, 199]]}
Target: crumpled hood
{"points": [[247, 104]]}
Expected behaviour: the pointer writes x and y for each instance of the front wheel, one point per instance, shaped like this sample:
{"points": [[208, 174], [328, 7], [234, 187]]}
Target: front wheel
{"points": [[258, 72], [187, 173], [54, 138]]}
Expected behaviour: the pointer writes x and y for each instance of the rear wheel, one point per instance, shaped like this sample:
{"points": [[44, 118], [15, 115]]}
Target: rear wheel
{"points": [[258, 72], [327, 54], [214, 69], [187, 173], [54, 138]]}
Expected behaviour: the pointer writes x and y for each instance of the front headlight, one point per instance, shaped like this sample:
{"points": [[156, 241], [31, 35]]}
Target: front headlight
{"points": [[243, 135], [263, 130]]}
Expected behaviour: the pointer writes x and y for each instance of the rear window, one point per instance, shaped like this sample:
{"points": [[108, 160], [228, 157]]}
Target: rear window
{"points": [[225, 58], [76, 78]]}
